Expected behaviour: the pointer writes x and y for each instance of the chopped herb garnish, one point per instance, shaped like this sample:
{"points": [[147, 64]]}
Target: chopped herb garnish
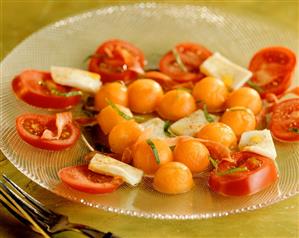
{"points": [[121, 113], [232, 170], [213, 162], [154, 149], [294, 129], [56, 92], [208, 116], [167, 124], [91, 56], [179, 60], [255, 86]]}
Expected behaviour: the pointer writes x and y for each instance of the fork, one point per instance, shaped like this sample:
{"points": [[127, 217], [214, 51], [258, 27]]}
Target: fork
{"points": [[43, 220]]}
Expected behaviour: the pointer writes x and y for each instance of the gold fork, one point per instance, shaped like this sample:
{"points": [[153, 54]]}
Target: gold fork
{"points": [[34, 214]]}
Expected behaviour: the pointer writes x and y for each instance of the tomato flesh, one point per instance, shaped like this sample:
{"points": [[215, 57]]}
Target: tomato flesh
{"points": [[285, 120], [272, 69], [30, 127], [81, 178], [117, 60], [192, 56], [261, 172], [27, 86]]}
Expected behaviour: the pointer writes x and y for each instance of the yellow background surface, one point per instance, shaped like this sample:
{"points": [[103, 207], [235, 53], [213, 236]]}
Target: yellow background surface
{"points": [[21, 18]]}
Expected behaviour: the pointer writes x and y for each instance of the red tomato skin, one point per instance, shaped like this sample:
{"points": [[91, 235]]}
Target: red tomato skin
{"points": [[26, 88], [36, 141], [271, 56], [181, 76], [108, 76], [280, 120], [81, 178], [245, 183]]}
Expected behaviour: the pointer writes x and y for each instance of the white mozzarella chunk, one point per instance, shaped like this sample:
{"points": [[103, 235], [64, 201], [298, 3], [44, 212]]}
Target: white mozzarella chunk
{"points": [[77, 78], [233, 75], [157, 126], [259, 142], [104, 164], [188, 126]]}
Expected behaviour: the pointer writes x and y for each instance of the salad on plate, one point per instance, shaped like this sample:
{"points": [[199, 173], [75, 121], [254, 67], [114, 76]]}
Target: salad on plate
{"points": [[198, 112]]}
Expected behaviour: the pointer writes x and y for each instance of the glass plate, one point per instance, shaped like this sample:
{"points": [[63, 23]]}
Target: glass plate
{"points": [[155, 29]]}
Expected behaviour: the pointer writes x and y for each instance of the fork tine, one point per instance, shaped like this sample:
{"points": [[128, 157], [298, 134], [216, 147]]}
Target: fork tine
{"points": [[26, 206], [23, 208], [12, 209], [28, 197]]}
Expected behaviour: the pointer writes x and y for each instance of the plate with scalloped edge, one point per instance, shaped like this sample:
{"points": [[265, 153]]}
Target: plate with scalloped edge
{"points": [[153, 28]]}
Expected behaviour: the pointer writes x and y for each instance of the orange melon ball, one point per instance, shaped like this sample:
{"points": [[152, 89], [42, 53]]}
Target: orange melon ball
{"points": [[219, 132], [144, 95], [173, 178], [245, 97], [240, 119], [110, 117], [193, 154], [123, 135], [176, 104], [144, 158], [212, 92], [116, 92]]}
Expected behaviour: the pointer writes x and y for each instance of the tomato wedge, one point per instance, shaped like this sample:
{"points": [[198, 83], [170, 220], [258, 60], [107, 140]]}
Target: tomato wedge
{"points": [[249, 174], [31, 128], [284, 123], [33, 87], [81, 178], [191, 55], [272, 69], [117, 60]]}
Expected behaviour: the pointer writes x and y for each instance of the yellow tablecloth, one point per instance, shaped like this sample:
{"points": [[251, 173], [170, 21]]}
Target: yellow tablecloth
{"points": [[21, 18]]}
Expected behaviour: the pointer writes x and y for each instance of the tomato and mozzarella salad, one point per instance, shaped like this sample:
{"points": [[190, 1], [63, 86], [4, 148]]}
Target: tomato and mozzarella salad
{"points": [[198, 112]]}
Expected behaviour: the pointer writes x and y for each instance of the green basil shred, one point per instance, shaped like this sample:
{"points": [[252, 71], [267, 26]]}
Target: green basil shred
{"points": [[179, 60], [294, 129], [232, 170], [208, 116], [255, 86], [121, 113], [56, 92], [154, 149]]}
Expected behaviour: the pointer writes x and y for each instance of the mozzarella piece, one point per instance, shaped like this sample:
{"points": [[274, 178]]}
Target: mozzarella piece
{"points": [[188, 126], [77, 78], [233, 75], [157, 126], [259, 142], [104, 164]]}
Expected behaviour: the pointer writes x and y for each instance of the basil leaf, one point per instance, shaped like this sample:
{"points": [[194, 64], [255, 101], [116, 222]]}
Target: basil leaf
{"points": [[208, 116], [232, 170], [179, 60], [213, 162], [154, 149], [90, 57], [56, 92], [121, 113], [294, 129], [255, 86], [166, 127]]}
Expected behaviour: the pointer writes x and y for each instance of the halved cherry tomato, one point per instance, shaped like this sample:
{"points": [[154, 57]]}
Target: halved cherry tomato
{"points": [[117, 60], [229, 179], [30, 86], [81, 178], [31, 127], [272, 69], [192, 55], [284, 123]]}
